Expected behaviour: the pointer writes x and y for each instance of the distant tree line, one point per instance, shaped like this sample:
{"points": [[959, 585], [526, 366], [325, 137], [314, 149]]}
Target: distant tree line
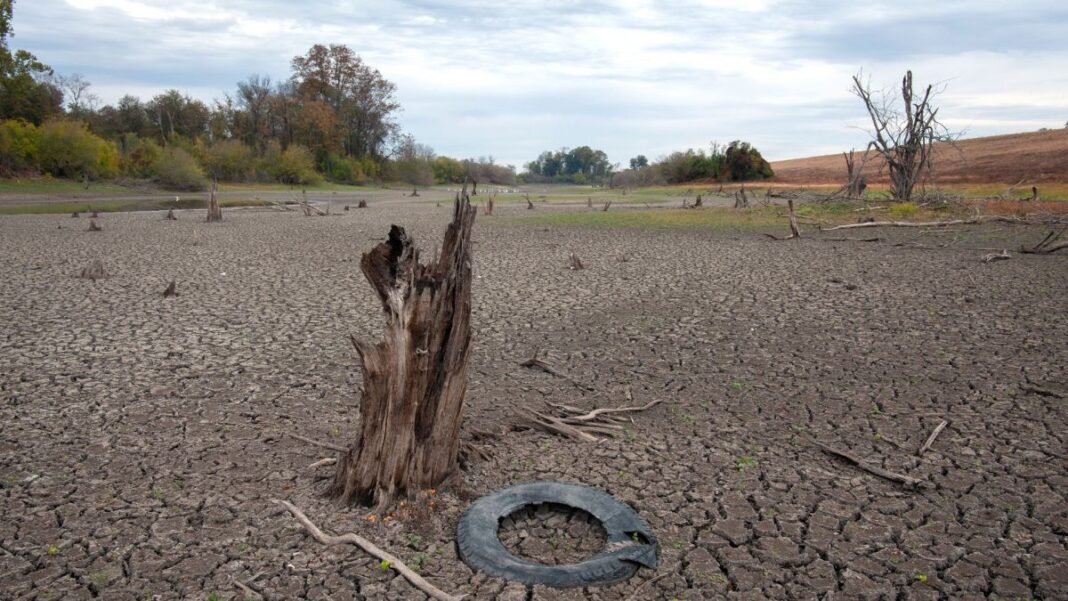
{"points": [[738, 161], [332, 118], [582, 165]]}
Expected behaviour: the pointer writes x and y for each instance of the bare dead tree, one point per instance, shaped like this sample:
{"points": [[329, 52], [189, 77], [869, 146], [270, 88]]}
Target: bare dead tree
{"points": [[93, 227], [606, 205], [214, 210], [855, 182], [416, 377], [530, 205], [697, 203], [362, 204], [488, 209], [170, 215], [574, 263], [1050, 244], [905, 139], [741, 201]]}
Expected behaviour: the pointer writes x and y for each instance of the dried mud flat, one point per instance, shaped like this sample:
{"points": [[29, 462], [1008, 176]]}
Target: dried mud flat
{"points": [[142, 438]]}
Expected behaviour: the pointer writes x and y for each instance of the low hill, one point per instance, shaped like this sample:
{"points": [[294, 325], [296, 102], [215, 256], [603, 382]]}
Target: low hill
{"points": [[1032, 157]]}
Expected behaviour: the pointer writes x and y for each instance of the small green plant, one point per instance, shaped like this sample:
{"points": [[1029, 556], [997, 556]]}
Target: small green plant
{"points": [[385, 565], [413, 540], [719, 579], [921, 578], [903, 209], [420, 560], [736, 385], [745, 461], [878, 437], [213, 596], [157, 494], [99, 577], [53, 550]]}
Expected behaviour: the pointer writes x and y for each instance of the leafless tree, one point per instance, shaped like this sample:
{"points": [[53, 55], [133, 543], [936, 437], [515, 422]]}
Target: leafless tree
{"points": [[855, 182], [904, 139]]}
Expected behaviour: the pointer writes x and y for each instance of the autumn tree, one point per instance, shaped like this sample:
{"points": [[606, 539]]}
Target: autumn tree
{"points": [[25, 90], [362, 99]]}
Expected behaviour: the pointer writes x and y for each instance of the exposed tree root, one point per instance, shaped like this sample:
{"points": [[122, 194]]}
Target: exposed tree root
{"points": [[930, 439], [390, 561], [1050, 244], [871, 469], [535, 363]]}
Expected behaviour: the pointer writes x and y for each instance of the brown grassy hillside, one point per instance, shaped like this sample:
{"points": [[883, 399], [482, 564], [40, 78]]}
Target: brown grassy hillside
{"points": [[1034, 157]]}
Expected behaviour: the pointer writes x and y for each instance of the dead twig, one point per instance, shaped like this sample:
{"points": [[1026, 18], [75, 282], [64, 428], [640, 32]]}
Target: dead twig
{"points": [[634, 595], [536, 363], [995, 257], [584, 425], [930, 439], [871, 469], [325, 445], [388, 560], [1050, 244], [322, 462], [1043, 391]]}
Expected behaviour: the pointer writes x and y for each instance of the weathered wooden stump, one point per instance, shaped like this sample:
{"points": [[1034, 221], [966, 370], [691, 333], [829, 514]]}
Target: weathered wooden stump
{"points": [[414, 380], [93, 271], [214, 210]]}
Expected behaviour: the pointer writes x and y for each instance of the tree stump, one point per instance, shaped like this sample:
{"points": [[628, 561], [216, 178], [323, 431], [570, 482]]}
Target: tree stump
{"points": [[362, 204], [414, 380], [171, 290], [170, 215], [93, 271], [214, 211], [93, 227]]}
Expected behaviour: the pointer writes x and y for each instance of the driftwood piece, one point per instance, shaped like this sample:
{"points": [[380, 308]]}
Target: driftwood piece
{"points": [[580, 425], [415, 378], [214, 210], [871, 469], [389, 561], [171, 290], [93, 271], [905, 224], [1050, 244], [994, 257], [536, 363], [931, 439]]}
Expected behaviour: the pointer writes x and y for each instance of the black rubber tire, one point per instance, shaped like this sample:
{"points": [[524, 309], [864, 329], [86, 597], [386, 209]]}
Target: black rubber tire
{"points": [[480, 547]]}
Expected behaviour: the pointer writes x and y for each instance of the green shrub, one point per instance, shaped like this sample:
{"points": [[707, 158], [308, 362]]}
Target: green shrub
{"points": [[19, 142], [230, 160], [176, 169], [141, 157], [294, 165], [345, 170], [69, 149]]}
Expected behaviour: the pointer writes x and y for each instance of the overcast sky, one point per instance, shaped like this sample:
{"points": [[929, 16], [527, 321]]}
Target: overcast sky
{"points": [[511, 79]]}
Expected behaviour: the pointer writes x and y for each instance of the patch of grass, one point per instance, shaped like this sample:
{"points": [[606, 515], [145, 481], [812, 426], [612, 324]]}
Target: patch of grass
{"points": [[711, 218], [49, 185], [903, 209], [53, 550], [745, 462], [385, 565], [113, 206]]}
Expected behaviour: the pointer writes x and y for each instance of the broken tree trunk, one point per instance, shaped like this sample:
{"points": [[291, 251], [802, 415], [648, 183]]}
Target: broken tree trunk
{"points": [[415, 378], [93, 227], [855, 182], [93, 271], [170, 215], [795, 232], [214, 211], [741, 201], [1050, 244]]}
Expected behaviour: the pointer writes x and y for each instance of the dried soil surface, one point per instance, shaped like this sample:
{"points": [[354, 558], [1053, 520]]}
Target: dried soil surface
{"points": [[142, 438]]}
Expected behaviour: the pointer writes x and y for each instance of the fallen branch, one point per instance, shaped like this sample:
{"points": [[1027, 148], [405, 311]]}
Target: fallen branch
{"points": [[171, 290], [536, 363], [871, 469], [387, 559], [876, 239], [583, 425], [930, 439], [246, 587], [1043, 391], [906, 224], [322, 462], [1048, 245], [995, 257], [325, 445]]}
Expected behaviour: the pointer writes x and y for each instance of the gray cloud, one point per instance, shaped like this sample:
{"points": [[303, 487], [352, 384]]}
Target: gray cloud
{"points": [[514, 78]]}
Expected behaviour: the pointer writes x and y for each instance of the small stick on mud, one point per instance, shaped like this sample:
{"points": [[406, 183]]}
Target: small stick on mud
{"points": [[325, 445], [388, 560], [171, 290], [322, 462], [536, 363], [930, 439], [633, 596], [871, 469]]}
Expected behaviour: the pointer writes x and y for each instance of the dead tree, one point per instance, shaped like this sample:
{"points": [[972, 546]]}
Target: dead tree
{"points": [[171, 290], [93, 227], [795, 232], [697, 203], [170, 215], [488, 209], [530, 205], [416, 377], [855, 182], [1050, 244], [574, 263], [415, 191], [362, 204], [741, 201], [214, 211], [1034, 194], [589, 202], [75, 214], [606, 205], [904, 140]]}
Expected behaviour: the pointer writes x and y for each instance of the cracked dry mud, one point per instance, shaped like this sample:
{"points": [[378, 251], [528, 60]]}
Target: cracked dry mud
{"points": [[142, 438]]}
